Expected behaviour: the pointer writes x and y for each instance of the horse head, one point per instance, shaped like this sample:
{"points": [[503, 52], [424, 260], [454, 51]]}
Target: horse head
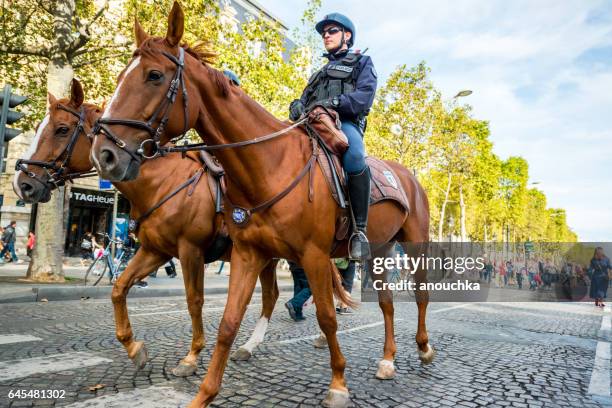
{"points": [[149, 106], [60, 147]]}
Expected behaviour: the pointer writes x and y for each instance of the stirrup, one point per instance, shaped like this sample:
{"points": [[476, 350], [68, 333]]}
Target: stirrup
{"points": [[361, 251]]}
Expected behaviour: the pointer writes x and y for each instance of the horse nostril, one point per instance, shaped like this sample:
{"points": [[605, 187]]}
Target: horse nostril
{"points": [[107, 157], [26, 188]]}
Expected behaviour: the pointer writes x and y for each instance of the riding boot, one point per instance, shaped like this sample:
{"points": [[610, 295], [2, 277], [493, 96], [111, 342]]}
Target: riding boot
{"points": [[359, 195]]}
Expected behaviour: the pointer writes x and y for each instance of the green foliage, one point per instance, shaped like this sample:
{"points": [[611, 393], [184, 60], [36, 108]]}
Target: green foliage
{"points": [[452, 154]]}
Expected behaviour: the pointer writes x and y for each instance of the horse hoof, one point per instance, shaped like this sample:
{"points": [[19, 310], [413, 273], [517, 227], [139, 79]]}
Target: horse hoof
{"points": [[320, 342], [427, 356], [141, 356], [337, 399], [184, 370], [386, 370], [241, 354]]}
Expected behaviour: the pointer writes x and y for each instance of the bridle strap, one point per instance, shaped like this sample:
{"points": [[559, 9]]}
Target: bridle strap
{"points": [[57, 178], [161, 115]]}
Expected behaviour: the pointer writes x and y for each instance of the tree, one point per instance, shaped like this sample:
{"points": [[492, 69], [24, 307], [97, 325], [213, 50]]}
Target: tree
{"points": [[403, 117], [42, 42]]}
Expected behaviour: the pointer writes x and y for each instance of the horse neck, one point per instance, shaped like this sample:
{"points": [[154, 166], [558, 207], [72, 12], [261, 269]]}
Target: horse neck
{"points": [[253, 171]]}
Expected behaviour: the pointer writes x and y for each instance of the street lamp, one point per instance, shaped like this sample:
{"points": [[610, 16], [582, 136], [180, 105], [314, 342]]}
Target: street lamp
{"points": [[461, 94]]}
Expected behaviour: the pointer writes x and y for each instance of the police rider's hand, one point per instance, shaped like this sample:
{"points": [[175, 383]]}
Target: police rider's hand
{"points": [[296, 110]]}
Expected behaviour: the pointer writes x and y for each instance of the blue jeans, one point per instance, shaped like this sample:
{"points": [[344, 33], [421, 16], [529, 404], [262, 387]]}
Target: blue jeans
{"points": [[348, 276], [301, 290], [10, 247], [353, 159]]}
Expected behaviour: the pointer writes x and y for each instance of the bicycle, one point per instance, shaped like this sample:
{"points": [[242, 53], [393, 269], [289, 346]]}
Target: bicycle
{"points": [[104, 262]]}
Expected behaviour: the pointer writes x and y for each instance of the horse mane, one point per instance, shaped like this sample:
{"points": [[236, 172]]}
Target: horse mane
{"points": [[201, 50]]}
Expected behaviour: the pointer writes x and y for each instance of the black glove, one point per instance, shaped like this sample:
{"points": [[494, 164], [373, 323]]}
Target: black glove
{"points": [[296, 110]]}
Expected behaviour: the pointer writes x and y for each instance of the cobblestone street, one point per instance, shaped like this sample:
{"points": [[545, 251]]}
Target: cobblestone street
{"points": [[512, 354]]}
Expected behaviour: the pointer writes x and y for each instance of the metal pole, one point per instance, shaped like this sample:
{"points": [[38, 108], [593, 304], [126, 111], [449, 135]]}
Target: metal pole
{"points": [[3, 116], [113, 223]]}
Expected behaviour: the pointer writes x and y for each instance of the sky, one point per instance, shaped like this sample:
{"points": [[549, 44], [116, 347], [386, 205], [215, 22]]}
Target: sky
{"points": [[540, 72]]}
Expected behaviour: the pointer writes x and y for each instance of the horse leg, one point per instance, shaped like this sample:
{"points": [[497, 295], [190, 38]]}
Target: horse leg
{"points": [[192, 263], [269, 296], [386, 367], [140, 266], [246, 267], [318, 268], [424, 349]]}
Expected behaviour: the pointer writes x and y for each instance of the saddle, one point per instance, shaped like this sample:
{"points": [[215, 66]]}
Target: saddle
{"points": [[325, 127]]}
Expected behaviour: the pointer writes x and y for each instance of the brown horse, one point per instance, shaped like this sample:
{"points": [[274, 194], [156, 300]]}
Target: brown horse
{"points": [[149, 108], [183, 227]]}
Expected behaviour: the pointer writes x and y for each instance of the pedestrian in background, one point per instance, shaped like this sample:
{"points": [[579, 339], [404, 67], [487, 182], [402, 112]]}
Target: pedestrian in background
{"points": [[519, 276], [30, 244], [87, 247], [347, 271], [9, 236], [599, 271], [301, 292], [488, 271]]}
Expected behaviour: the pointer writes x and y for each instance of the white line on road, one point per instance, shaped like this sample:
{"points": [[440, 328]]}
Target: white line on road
{"points": [[48, 364], [365, 326], [600, 377], [449, 308], [210, 309], [17, 338], [152, 397]]}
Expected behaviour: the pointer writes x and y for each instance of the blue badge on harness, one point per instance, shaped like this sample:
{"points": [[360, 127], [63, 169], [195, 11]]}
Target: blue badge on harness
{"points": [[239, 215]]}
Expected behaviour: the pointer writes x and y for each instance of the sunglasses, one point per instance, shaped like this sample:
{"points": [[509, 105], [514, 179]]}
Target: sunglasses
{"points": [[330, 31]]}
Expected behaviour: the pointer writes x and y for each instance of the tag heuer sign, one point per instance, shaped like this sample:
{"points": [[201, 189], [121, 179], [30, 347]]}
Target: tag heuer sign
{"points": [[92, 197]]}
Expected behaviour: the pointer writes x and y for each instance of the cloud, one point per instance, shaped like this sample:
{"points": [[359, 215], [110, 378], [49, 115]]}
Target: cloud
{"points": [[541, 76]]}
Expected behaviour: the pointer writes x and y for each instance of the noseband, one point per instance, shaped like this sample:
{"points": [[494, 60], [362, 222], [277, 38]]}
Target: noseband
{"points": [[161, 114], [58, 173]]}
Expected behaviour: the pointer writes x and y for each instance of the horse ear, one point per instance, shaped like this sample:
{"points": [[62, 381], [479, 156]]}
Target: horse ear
{"points": [[76, 94], [140, 34], [176, 25], [52, 100]]}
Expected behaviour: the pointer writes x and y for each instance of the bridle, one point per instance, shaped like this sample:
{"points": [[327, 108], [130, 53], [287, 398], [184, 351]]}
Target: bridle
{"points": [[161, 114], [57, 173]]}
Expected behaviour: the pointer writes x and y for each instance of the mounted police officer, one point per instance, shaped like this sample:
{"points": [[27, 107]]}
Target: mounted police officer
{"points": [[347, 84]]}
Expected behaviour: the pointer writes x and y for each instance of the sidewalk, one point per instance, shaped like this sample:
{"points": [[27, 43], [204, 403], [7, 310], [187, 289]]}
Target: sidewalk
{"points": [[14, 287]]}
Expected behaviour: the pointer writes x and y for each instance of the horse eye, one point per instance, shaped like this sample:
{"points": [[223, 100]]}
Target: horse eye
{"points": [[155, 76], [62, 131]]}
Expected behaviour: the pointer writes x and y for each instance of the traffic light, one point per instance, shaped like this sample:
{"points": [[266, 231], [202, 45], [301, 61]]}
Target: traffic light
{"points": [[8, 100]]}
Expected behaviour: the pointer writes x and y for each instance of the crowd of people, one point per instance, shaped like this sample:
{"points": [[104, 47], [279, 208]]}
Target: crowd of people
{"points": [[541, 273]]}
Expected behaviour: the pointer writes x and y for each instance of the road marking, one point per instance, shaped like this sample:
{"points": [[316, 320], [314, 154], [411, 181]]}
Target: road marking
{"points": [[365, 326], [449, 308], [48, 364], [17, 338], [211, 309], [600, 377], [152, 397]]}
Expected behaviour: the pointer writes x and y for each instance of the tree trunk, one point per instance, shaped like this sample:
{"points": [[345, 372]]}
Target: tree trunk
{"points": [[443, 210], [47, 258], [462, 208]]}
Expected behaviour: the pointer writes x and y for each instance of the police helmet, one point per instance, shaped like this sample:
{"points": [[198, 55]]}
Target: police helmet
{"points": [[341, 19]]}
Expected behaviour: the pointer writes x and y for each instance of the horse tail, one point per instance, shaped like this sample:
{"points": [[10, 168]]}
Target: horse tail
{"points": [[339, 291]]}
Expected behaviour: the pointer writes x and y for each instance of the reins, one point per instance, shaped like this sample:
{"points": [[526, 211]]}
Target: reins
{"points": [[54, 171]]}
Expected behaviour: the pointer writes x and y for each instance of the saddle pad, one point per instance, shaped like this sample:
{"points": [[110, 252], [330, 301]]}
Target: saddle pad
{"points": [[385, 184]]}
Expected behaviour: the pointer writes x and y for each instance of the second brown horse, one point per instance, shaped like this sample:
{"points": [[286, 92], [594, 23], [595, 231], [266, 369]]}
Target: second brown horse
{"points": [[183, 227]]}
